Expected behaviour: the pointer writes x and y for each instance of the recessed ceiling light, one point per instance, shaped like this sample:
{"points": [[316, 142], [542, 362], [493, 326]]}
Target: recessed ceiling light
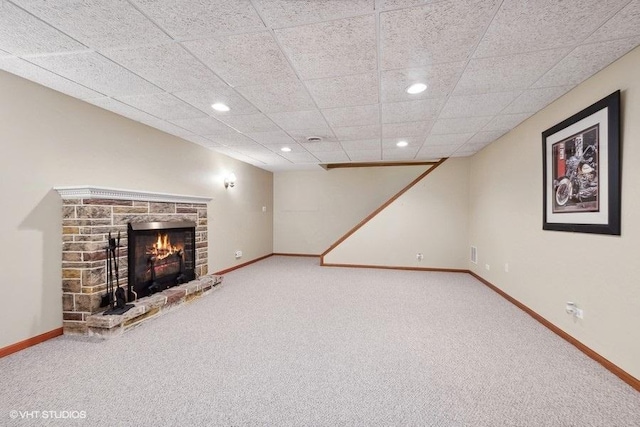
{"points": [[285, 149], [402, 143], [220, 107], [416, 88]]}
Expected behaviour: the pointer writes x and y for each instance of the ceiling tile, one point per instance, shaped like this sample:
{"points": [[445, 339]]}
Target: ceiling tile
{"points": [[392, 130], [244, 59], [96, 72], [98, 24], [201, 140], [365, 155], [411, 111], [300, 157], [125, 110], [204, 126], [231, 152], [293, 146], [525, 26], [486, 137], [440, 79], [398, 4], [459, 125], [272, 159], [533, 100], [391, 143], [353, 116], [275, 137], [287, 13], [277, 97], [252, 150], [362, 145], [468, 149], [301, 135], [23, 34], [445, 31], [357, 132], [585, 61], [293, 120], [626, 23], [167, 66], [332, 156], [231, 139], [506, 121], [315, 147], [462, 153], [506, 73], [165, 126], [140, 116], [249, 123], [200, 18], [432, 153], [203, 99], [450, 140], [399, 153], [477, 105], [345, 91], [334, 48], [162, 105], [39, 75]]}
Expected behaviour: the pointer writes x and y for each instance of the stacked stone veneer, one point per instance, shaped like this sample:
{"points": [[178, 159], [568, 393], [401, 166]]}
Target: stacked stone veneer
{"points": [[86, 224]]}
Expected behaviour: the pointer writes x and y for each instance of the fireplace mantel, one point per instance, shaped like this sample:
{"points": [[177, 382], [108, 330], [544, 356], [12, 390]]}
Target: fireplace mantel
{"points": [[93, 192]]}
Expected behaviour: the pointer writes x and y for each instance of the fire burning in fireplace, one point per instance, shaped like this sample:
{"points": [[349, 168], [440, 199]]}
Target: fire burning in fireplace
{"points": [[161, 255], [163, 248]]}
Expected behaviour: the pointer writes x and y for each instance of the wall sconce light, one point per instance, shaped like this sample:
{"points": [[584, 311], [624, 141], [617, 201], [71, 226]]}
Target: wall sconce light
{"points": [[230, 180]]}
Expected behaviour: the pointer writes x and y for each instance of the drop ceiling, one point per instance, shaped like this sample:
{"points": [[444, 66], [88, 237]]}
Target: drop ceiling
{"points": [[335, 69]]}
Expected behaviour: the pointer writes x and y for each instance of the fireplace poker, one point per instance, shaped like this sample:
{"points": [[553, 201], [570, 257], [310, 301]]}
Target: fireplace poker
{"points": [[110, 261]]}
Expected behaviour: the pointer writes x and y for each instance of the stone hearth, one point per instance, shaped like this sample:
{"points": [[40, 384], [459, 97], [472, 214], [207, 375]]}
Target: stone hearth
{"points": [[89, 215]]}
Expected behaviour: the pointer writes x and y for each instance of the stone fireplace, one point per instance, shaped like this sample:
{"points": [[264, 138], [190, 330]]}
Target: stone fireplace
{"points": [[166, 266]]}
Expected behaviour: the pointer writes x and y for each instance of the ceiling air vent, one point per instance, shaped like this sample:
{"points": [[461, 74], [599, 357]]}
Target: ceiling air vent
{"points": [[314, 139], [474, 254]]}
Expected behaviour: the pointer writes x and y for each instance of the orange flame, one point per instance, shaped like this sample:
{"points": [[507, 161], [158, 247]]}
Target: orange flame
{"points": [[163, 247]]}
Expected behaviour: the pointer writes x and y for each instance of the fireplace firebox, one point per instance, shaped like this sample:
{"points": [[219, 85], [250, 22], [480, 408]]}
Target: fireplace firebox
{"points": [[161, 255]]}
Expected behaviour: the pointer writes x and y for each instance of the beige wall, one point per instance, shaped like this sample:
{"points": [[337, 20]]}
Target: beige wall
{"points": [[48, 139], [431, 218], [547, 268], [313, 209]]}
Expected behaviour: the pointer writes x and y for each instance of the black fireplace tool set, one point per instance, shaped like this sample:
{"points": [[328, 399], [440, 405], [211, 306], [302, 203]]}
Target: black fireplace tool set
{"points": [[114, 298]]}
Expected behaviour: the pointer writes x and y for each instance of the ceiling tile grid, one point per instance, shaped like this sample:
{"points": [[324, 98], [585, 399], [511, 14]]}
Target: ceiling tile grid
{"points": [[332, 48], [334, 69], [97, 24]]}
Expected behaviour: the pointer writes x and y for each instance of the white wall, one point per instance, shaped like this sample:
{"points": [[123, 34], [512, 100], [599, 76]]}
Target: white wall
{"points": [[547, 268], [430, 218], [313, 209], [48, 139]]}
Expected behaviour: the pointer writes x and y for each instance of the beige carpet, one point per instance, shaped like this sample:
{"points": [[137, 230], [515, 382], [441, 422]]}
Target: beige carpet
{"points": [[285, 342]]}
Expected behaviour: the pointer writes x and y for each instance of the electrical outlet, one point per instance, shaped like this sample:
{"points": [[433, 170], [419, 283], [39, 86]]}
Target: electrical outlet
{"points": [[506, 267], [264, 209], [238, 254], [487, 266], [579, 313], [419, 256]]}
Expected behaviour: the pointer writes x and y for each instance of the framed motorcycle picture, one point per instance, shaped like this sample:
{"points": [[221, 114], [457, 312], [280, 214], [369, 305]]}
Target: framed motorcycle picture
{"points": [[581, 170]]}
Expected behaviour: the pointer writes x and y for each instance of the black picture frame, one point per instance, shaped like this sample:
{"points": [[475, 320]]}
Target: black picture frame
{"points": [[581, 159]]}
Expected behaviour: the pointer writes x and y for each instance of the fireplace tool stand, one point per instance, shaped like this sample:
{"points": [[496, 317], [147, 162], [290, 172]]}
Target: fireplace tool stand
{"points": [[115, 299]]}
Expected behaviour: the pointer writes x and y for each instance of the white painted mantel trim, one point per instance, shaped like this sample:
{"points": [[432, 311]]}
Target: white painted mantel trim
{"points": [[92, 192]]}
